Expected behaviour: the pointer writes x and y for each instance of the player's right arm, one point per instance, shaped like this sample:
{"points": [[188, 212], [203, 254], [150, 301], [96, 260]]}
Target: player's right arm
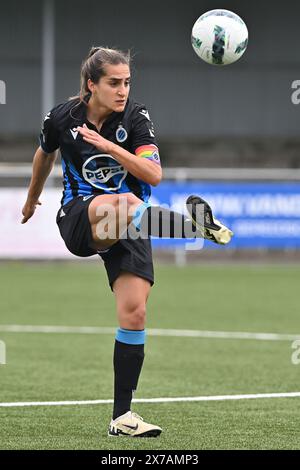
{"points": [[43, 162], [42, 165]]}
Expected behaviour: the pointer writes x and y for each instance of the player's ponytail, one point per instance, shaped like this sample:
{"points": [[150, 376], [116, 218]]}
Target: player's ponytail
{"points": [[93, 67], [93, 50]]}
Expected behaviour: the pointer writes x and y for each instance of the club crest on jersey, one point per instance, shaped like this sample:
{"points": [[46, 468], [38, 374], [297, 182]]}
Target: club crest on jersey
{"points": [[121, 134], [104, 172]]}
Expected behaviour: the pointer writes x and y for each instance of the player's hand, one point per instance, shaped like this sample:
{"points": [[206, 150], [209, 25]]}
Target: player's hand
{"points": [[93, 138], [29, 209]]}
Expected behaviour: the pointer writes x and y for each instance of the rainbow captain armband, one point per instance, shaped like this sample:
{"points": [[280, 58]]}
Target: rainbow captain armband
{"points": [[148, 151]]}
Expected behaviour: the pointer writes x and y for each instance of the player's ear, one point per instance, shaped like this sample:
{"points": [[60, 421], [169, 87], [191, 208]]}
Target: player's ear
{"points": [[90, 85]]}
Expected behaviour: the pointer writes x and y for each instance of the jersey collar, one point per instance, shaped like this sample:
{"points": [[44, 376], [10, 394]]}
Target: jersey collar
{"points": [[114, 118]]}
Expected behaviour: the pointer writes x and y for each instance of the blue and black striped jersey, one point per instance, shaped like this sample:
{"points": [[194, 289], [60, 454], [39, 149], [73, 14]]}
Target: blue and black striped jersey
{"points": [[86, 170]]}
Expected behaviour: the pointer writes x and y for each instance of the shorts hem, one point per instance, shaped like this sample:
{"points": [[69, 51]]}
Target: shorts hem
{"points": [[131, 270]]}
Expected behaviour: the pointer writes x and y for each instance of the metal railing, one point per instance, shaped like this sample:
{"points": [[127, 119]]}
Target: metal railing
{"points": [[10, 170]]}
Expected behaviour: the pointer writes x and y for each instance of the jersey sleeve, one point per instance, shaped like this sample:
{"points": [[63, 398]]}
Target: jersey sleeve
{"points": [[49, 136], [143, 138]]}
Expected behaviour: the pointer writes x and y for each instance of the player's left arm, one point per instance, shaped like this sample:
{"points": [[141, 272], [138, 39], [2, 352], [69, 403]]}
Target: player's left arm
{"points": [[145, 169], [144, 164]]}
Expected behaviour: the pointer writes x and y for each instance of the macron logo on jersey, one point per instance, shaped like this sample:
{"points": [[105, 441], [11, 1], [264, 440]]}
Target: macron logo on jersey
{"points": [[145, 113], [74, 133]]}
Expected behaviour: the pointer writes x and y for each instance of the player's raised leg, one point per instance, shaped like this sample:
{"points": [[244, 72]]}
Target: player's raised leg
{"points": [[111, 215], [164, 223], [131, 293]]}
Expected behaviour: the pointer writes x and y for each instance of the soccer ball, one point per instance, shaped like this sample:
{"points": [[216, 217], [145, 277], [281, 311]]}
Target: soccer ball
{"points": [[219, 37]]}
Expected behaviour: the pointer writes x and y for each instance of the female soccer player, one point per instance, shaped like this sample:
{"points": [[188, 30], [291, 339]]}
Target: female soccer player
{"points": [[110, 160]]}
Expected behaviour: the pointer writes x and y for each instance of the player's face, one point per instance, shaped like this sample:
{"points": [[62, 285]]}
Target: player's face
{"points": [[112, 90]]}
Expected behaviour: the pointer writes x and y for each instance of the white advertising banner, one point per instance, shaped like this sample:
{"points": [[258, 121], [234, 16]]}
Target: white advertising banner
{"points": [[39, 237]]}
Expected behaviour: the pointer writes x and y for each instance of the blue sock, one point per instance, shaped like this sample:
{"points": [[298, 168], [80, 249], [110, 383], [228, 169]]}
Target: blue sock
{"points": [[131, 336], [138, 214]]}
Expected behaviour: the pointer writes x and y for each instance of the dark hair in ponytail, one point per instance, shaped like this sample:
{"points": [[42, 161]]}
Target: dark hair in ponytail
{"points": [[93, 67]]}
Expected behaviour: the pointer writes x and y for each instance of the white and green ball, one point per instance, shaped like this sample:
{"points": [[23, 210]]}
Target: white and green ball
{"points": [[219, 37]]}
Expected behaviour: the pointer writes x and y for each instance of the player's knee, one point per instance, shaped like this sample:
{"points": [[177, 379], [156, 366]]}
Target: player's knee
{"points": [[117, 208], [125, 206], [134, 316], [127, 200], [132, 199], [116, 201]]}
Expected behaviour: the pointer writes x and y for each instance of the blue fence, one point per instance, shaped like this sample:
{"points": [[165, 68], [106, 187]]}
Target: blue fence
{"points": [[261, 215]]}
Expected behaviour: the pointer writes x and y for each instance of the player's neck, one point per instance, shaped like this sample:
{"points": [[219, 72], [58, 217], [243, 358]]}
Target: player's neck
{"points": [[97, 114]]}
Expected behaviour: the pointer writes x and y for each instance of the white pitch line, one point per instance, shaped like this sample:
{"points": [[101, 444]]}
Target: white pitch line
{"points": [[150, 332], [154, 400]]}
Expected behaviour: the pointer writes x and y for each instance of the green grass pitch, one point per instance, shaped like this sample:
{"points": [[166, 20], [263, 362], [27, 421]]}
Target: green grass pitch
{"points": [[59, 367]]}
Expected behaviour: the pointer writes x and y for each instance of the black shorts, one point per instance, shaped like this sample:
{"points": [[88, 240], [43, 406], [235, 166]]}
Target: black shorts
{"points": [[134, 256]]}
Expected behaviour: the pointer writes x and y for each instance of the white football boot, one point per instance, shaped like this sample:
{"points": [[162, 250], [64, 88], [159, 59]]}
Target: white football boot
{"points": [[132, 425], [212, 229]]}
